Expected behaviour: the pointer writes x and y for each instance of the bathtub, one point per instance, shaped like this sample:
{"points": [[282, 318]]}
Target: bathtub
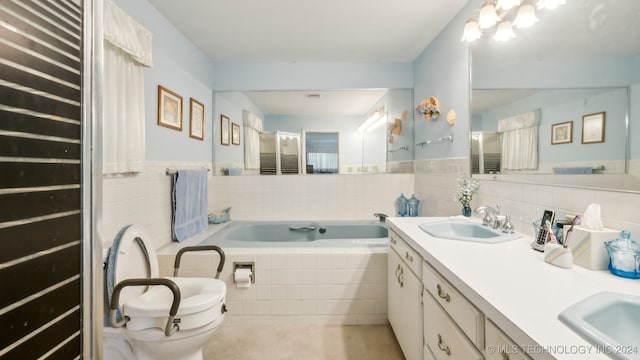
{"points": [[260, 234]]}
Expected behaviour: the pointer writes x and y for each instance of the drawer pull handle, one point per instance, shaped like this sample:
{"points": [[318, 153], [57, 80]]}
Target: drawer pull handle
{"points": [[401, 278], [442, 347], [505, 356], [407, 256], [443, 294], [393, 241], [398, 269]]}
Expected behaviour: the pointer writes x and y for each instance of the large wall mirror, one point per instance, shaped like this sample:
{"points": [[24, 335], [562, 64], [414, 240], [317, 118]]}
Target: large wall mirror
{"points": [[330, 124], [573, 78]]}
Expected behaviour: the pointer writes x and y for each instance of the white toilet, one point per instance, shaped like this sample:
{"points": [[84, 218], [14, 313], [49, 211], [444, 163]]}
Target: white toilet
{"points": [[144, 335]]}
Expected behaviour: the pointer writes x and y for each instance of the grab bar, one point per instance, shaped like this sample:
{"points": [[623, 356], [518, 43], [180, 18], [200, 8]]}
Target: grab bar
{"points": [[301, 228]]}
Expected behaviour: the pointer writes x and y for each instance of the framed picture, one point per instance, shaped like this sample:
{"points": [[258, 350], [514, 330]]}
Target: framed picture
{"points": [[235, 134], [593, 128], [224, 130], [196, 119], [562, 133], [169, 109]]}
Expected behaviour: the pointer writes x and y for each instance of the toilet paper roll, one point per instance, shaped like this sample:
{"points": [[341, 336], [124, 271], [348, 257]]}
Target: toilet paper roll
{"points": [[242, 278]]}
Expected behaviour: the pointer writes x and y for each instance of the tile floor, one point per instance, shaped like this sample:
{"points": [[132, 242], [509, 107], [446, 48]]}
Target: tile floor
{"points": [[304, 343]]}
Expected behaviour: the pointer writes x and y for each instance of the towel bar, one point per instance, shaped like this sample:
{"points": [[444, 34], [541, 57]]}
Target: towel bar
{"points": [[171, 172]]}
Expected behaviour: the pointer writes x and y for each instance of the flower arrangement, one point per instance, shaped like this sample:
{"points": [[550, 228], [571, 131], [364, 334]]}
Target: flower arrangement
{"points": [[465, 190]]}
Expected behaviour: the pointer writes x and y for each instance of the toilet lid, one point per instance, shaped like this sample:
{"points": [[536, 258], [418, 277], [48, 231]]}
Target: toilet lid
{"points": [[130, 256]]}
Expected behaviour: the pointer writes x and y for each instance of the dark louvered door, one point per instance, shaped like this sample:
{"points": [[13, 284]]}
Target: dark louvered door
{"points": [[40, 179]]}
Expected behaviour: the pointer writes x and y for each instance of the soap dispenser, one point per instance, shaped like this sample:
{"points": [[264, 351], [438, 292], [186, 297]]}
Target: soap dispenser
{"points": [[413, 205], [401, 205]]}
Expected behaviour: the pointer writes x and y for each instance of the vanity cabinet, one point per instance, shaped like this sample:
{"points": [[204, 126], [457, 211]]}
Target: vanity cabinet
{"points": [[405, 296], [432, 319]]}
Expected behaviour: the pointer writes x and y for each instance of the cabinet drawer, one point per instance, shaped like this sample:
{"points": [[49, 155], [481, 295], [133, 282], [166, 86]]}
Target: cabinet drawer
{"points": [[408, 255], [470, 319], [500, 346], [443, 337]]}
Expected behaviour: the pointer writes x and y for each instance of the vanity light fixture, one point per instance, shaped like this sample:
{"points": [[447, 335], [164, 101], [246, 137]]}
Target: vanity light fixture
{"points": [[526, 17], [507, 4], [500, 12], [374, 121], [504, 31]]}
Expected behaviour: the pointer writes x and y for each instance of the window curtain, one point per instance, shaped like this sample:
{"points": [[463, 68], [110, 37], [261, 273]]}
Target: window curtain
{"points": [[323, 158], [127, 49], [520, 141], [252, 129]]}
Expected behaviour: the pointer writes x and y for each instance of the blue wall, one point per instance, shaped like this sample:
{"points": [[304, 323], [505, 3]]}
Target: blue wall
{"points": [[182, 68], [442, 70]]}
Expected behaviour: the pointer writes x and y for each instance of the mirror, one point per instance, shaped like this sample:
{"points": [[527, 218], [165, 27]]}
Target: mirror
{"points": [[577, 68], [385, 148]]}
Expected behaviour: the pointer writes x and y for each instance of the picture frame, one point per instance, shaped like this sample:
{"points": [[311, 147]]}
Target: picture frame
{"points": [[235, 134], [169, 109], [196, 119], [593, 128], [562, 133], [224, 129]]}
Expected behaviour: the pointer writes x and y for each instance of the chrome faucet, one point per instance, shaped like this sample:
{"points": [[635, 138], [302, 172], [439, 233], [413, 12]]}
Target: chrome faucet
{"points": [[380, 216], [490, 215]]}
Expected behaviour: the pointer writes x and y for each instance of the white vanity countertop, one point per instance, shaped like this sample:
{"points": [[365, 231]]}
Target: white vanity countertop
{"points": [[514, 287]]}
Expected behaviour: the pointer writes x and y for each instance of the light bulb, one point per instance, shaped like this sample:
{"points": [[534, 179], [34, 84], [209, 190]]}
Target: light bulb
{"points": [[488, 16], [471, 31], [507, 4], [526, 17], [504, 32]]}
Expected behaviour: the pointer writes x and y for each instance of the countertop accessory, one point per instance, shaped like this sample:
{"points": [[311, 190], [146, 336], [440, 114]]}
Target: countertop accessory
{"points": [[624, 255], [558, 255]]}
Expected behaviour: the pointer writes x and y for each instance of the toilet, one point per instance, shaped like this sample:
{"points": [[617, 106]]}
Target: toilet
{"points": [[146, 308]]}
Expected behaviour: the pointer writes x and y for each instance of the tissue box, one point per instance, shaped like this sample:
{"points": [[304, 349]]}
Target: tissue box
{"points": [[588, 247]]}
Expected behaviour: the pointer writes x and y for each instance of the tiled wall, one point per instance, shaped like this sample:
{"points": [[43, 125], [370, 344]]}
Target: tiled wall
{"points": [[435, 182], [299, 286], [308, 197], [144, 199]]}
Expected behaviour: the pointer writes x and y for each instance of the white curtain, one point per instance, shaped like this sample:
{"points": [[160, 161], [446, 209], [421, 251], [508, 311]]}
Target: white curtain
{"points": [[127, 49], [252, 129], [520, 141]]}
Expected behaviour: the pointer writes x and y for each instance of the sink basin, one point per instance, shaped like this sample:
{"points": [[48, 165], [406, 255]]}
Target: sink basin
{"points": [[608, 320], [466, 231]]}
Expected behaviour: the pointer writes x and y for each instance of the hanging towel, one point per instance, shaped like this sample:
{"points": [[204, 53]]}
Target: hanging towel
{"points": [[189, 203]]}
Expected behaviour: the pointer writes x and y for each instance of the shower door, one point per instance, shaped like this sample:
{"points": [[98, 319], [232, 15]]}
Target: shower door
{"points": [[44, 204]]}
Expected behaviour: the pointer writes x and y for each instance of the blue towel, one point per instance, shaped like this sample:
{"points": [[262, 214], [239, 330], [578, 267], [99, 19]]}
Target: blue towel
{"points": [[189, 203]]}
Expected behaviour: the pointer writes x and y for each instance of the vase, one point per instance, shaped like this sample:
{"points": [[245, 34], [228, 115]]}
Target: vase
{"points": [[466, 210]]}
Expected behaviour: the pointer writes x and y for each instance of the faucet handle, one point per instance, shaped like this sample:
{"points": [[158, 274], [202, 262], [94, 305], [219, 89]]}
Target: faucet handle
{"points": [[508, 227], [380, 216]]}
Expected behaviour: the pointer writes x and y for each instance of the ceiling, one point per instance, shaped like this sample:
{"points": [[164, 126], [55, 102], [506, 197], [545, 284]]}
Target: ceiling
{"points": [[310, 30], [326, 102]]}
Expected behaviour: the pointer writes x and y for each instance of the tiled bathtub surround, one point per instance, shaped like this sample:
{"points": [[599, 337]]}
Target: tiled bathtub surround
{"points": [[435, 184], [308, 197], [143, 199], [298, 286]]}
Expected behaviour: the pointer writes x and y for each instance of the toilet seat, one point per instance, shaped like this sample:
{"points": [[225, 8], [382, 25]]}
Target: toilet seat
{"points": [[202, 299], [201, 302]]}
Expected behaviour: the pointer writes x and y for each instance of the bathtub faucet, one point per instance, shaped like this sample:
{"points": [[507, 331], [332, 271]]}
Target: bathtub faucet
{"points": [[301, 228], [380, 216]]}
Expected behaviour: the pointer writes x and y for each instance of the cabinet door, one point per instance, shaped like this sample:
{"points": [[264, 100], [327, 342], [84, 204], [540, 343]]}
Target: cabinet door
{"points": [[405, 306]]}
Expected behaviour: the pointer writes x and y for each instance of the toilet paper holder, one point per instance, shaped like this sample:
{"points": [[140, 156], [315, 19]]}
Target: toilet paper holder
{"points": [[245, 265]]}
